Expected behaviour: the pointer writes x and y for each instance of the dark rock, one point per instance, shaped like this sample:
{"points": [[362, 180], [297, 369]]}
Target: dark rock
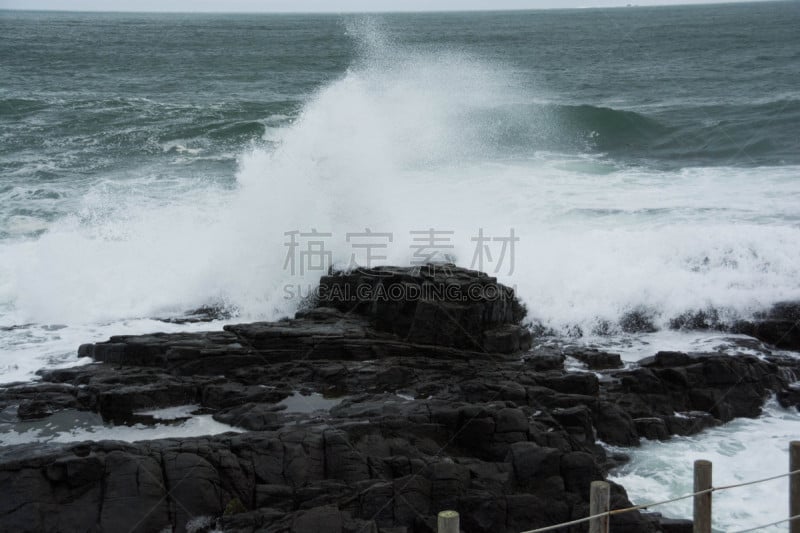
{"points": [[667, 359], [789, 397], [274, 496], [134, 491], [533, 464], [615, 426], [785, 311], [582, 383], [327, 519], [435, 304], [596, 359], [673, 525], [206, 313], [422, 404], [233, 394], [449, 481], [252, 416], [579, 470], [577, 421], [652, 428], [638, 321], [700, 319], [542, 361], [525, 511], [690, 423], [779, 326], [507, 339], [38, 400]]}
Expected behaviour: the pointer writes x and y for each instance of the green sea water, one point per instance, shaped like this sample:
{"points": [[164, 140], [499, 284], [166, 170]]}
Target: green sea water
{"points": [[87, 97], [646, 157]]}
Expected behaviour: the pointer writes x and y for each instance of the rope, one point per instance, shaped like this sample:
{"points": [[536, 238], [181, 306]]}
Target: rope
{"points": [[564, 524], [654, 504], [795, 517], [678, 498]]}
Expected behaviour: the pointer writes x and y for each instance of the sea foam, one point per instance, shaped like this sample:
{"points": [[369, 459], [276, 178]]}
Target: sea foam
{"points": [[401, 142]]}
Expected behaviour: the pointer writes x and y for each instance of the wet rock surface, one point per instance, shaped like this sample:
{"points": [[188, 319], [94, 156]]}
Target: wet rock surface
{"points": [[366, 415], [780, 326]]}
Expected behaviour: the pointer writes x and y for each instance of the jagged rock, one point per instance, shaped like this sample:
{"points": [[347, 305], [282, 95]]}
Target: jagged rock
{"points": [[789, 397], [779, 326], [614, 425], [666, 359], [652, 428], [595, 359], [252, 416], [436, 304], [38, 400], [533, 464], [577, 420], [673, 525], [700, 319], [689, 423], [543, 360], [579, 469], [427, 404], [637, 321], [583, 384]]}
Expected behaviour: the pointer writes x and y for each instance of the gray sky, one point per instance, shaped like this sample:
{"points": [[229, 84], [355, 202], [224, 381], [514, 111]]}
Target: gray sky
{"points": [[318, 5]]}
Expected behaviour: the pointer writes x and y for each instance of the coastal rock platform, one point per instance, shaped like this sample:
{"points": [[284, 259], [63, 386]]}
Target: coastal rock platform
{"points": [[395, 394]]}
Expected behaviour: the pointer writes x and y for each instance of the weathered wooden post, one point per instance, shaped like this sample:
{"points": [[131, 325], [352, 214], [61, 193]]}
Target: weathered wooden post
{"points": [[794, 485], [702, 502], [448, 522], [599, 502]]}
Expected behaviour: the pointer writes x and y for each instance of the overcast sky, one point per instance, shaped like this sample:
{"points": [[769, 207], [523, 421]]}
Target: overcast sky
{"points": [[318, 5]]}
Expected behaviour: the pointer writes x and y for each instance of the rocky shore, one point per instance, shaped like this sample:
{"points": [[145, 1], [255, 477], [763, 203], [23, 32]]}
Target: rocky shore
{"points": [[395, 394]]}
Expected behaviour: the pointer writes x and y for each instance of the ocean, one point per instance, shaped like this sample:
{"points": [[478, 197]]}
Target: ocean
{"points": [[608, 163]]}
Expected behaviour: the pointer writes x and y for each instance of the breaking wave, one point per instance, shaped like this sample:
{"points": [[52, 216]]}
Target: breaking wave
{"points": [[408, 140]]}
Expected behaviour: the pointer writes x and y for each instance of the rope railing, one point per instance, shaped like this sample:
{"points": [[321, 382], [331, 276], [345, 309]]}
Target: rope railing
{"points": [[672, 500], [762, 526], [617, 511], [702, 501]]}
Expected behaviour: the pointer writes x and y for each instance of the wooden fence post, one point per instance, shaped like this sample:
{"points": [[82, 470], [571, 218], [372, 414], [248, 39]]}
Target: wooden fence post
{"points": [[448, 522], [599, 502], [702, 502], [794, 485]]}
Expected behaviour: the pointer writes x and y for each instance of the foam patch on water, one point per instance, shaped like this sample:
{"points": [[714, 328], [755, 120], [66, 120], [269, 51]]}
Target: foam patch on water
{"points": [[635, 347], [742, 450], [170, 413], [77, 426]]}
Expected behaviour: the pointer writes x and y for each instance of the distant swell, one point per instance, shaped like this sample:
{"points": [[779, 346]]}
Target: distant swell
{"points": [[755, 134], [610, 125], [403, 141]]}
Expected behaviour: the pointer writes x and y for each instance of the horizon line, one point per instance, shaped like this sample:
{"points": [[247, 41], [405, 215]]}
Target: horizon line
{"points": [[388, 11]]}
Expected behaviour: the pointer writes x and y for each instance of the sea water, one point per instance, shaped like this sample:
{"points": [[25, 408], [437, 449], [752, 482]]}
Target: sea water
{"points": [[637, 160]]}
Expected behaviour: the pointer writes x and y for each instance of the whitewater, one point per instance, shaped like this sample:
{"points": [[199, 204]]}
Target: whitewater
{"points": [[411, 138]]}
